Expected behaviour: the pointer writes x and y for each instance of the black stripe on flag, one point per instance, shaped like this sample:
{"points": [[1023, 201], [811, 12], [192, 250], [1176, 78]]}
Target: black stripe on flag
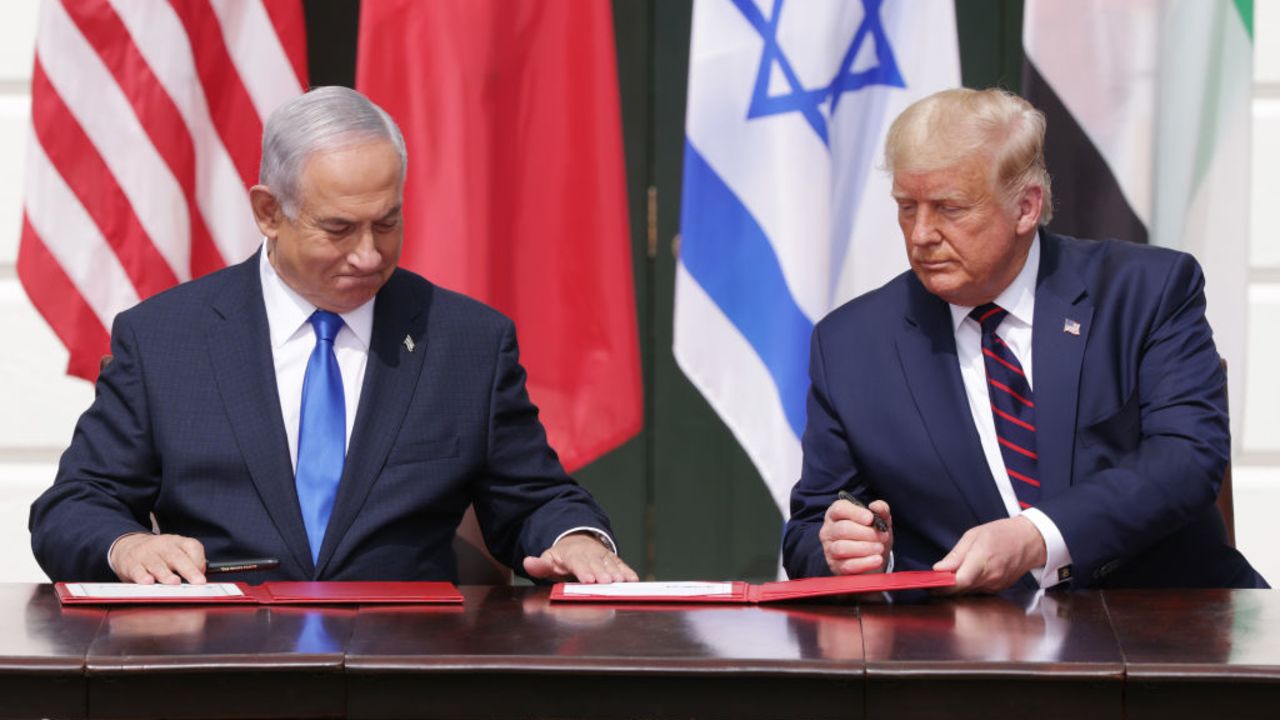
{"points": [[1087, 200]]}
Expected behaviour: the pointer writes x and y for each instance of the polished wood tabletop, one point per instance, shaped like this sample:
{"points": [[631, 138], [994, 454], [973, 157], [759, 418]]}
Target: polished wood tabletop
{"points": [[1021, 654], [1217, 651], [509, 652]]}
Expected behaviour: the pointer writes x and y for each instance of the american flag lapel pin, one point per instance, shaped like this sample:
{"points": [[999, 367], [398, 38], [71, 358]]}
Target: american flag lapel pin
{"points": [[408, 343], [1069, 326]]}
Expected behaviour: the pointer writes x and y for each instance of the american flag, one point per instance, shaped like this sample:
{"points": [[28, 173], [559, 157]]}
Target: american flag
{"points": [[145, 136]]}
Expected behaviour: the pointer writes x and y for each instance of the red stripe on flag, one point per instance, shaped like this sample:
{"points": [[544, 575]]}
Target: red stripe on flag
{"points": [[59, 301], [1009, 390], [289, 21], [1016, 448], [155, 110], [1003, 362], [1019, 476], [77, 160], [230, 107], [1013, 419]]}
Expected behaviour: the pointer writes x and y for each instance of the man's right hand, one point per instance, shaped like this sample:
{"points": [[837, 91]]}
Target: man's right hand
{"points": [[850, 544], [144, 558]]}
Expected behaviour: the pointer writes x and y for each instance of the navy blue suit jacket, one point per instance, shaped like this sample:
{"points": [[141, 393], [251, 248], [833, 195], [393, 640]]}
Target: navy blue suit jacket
{"points": [[1131, 419], [187, 425]]}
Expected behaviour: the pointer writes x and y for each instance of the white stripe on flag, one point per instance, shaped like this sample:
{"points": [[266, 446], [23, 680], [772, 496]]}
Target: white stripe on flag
{"points": [[90, 92], [81, 250], [257, 54], [722, 364], [160, 37]]}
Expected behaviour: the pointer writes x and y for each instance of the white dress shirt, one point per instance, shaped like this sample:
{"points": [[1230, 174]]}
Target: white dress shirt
{"points": [[1019, 299], [293, 339]]}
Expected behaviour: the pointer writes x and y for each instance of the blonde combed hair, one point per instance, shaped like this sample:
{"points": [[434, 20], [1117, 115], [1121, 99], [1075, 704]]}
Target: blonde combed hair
{"points": [[945, 128]]}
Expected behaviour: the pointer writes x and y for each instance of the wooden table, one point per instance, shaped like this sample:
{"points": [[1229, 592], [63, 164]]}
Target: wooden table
{"points": [[508, 652]]}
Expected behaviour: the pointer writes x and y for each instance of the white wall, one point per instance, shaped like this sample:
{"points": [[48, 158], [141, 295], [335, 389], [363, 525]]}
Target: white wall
{"points": [[39, 404]]}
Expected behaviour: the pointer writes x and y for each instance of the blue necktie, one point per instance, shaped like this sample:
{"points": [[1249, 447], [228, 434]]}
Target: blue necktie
{"points": [[322, 432], [1012, 407]]}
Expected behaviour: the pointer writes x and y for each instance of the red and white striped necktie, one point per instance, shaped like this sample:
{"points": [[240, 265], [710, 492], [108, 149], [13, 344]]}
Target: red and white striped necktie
{"points": [[1012, 407]]}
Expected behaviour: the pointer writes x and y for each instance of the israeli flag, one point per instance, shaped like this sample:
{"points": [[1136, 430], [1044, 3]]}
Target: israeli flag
{"points": [[786, 212]]}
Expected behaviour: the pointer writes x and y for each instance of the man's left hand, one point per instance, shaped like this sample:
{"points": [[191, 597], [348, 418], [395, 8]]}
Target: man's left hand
{"points": [[991, 557], [579, 556]]}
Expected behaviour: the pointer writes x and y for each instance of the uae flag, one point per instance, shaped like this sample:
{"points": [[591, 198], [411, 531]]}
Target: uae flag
{"points": [[516, 193], [1148, 106]]}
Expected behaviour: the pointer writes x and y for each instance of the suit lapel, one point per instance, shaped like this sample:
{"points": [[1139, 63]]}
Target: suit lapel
{"points": [[391, 375], [927, 350], [1058, 353], [240, 352]]}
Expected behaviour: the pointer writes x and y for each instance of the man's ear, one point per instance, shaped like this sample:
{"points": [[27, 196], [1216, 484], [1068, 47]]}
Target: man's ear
{"points": [[267, 211], [1030, 205]]}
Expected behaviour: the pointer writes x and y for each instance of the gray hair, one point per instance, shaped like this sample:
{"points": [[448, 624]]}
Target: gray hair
{"points": [[944, 128], [325, 118]]}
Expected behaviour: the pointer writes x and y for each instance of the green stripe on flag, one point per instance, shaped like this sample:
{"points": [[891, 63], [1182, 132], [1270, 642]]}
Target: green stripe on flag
{"points": [[1245, 8]]}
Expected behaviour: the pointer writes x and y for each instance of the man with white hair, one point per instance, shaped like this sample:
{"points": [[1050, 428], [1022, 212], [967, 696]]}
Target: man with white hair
{"points": [[315, 404], [1020, 407]]}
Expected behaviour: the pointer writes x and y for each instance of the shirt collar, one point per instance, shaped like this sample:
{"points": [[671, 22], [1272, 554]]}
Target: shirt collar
{"points": [[1019, 298], [287, 311]]}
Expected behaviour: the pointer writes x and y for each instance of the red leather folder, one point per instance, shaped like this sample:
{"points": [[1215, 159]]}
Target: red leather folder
{"points": [[741, 592], [270, 593]]}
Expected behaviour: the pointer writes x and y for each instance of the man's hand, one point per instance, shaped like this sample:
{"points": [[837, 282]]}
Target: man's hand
{"points": [[991, 557], [581, 556], [849, 542], [144, 558]]}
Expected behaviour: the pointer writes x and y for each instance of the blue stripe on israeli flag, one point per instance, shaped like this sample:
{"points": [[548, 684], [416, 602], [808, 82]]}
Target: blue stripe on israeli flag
{"points": [[729, 255]]}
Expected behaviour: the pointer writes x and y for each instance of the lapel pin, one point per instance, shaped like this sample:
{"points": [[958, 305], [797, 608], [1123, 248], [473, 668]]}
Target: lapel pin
{"points": [[1069, 326], [408, 343]]}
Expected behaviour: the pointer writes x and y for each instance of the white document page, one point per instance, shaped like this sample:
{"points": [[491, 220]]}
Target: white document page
{"points": [[650, 589], [130, 590]]}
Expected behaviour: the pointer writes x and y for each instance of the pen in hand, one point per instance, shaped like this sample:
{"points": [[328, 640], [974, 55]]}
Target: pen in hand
{"points": [[230, 566], [876, 520]]}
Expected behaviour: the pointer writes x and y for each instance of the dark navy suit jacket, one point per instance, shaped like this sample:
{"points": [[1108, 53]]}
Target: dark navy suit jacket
{"points": [[1131, 418], [187, 425]]}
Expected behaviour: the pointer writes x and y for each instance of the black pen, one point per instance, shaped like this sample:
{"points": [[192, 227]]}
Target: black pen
{"points": [[876, 520], [230, 566]]}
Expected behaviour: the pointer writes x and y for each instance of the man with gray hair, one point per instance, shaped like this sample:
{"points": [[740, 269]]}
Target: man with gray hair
{"points": [[315, 404], [931, 443]]}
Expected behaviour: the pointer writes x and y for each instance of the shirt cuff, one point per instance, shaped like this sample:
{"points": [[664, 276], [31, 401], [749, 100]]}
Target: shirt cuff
{"points": [[601, 535], [1057, 565], [113, 547]]}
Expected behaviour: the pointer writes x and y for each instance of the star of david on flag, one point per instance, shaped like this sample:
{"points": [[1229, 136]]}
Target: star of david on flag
{"points": [[810, 102], [784, 214]]}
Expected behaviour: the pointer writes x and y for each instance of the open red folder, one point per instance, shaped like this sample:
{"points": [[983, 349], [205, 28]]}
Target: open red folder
{"points": [[742, 592], [270, 593]]}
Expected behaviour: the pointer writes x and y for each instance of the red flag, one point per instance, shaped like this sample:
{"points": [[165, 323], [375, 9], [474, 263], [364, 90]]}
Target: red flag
{"points": [[516, 193], [145, 138]]}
